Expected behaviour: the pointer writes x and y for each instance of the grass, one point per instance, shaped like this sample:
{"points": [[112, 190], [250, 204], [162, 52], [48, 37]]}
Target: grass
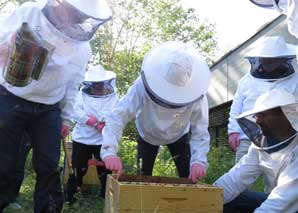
{"points": [[87, 201]]}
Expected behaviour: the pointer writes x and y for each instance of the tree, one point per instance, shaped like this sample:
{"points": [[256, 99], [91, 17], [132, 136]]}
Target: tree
{"points": [[138, 25]]}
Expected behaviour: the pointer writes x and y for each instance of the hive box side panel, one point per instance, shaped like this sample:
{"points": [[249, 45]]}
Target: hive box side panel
{"points": [[135, 197]]}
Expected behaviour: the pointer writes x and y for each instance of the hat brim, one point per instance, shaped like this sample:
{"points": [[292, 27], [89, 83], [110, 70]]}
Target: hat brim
{"points": [[100, 76], [261, 109], [291, 51], [154, 63], [98, 9]]}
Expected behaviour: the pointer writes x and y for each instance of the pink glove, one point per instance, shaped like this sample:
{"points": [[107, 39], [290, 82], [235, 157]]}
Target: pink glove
{"points": [[197, 171], [113, 163], [64, 130], [92, 121], [100, 126], [234, 140]]}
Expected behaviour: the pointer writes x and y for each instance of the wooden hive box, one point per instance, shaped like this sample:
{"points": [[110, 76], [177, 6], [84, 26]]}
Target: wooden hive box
{"points": [[134, 194], [91, 177]]}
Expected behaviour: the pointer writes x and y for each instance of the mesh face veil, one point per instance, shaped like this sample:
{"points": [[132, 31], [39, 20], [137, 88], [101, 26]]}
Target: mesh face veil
{"points": [[71, 21], [99, 89], [271, 68]]}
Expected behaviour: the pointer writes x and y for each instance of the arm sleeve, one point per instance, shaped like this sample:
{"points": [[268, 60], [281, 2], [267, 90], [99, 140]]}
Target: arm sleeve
{"points": [[78, 68], [284, 197], [124, 111], [200, 138], [241, 176], [236, 109], [79, 114]]}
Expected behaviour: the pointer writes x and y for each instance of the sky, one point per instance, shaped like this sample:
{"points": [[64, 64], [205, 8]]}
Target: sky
{"points": [[236, 20]]}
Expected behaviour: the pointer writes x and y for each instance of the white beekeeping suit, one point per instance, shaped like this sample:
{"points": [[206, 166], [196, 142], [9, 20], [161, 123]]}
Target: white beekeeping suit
{"points": [[97, 102], [263, 76], [276, 160]]}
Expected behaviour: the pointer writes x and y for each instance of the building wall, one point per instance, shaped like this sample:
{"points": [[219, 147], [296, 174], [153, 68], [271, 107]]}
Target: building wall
{"points": [[227, 72]]}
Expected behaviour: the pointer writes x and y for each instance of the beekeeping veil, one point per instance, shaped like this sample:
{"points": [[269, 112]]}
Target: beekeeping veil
{"points": [[270, 100], [77, 19], [99, 82], [271, 58]]}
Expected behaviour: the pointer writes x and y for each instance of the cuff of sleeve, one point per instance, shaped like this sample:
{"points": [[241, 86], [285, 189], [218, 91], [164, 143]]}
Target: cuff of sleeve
{"points": [[67, 123], [106, 151]]}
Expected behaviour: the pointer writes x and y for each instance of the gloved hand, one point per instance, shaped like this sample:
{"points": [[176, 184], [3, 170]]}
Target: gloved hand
{"points": [[113, 163], [100, 126], [64, 130], [197, 172], [92, 121], [234, 140]]}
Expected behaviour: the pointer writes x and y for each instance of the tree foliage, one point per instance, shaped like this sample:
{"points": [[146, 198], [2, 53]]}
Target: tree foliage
{"points": [[138, 25]]}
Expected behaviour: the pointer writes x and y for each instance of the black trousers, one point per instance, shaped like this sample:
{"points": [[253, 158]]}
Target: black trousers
{"points": [[25, 147], [80, 155], [180, 151], [43, 124]]}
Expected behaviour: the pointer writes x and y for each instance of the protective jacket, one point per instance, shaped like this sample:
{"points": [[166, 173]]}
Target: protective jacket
{"points": [[66, 67], [89, 106], [158, 125], [249, 89], [280, 171]]}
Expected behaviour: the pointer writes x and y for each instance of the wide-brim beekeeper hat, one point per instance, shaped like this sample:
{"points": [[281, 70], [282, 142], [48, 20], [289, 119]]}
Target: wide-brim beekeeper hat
{"points": [[99, 82], [175, 73], [271, 99], [97, 74]]}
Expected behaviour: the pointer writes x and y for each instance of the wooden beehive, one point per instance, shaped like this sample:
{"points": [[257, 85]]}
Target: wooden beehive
{"points": [[160, 195], [91, 177]]}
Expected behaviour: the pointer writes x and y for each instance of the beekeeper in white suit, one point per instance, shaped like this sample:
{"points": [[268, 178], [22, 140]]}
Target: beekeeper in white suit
{"points": [[272, 127], [168, 101], [273, 65], [96, 99], [287, 7], [44, 107]]}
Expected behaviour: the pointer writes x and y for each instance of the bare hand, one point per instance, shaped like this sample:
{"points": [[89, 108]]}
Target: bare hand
{"points": [[113, 163], [197, 172], [234, 140]]}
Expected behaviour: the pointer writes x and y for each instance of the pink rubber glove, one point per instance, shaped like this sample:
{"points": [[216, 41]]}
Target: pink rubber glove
{"points": [[113, 163], [234, 140], [100, 126], [197, 172], [92, 121], [64, 131]]}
